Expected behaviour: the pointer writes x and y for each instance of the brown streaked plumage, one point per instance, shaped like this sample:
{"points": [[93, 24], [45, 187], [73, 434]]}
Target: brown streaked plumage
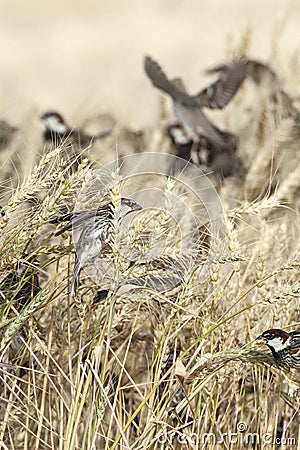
{"points": [[284, 346], [95, 228]]}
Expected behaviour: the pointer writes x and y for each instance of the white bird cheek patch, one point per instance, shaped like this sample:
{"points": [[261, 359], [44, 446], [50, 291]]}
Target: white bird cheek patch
{"points": [[55, 125], [276, 343]]}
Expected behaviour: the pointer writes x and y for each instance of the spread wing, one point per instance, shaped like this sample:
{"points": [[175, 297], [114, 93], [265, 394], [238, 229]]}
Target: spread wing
{"points": [[158, 77], [219, 94], [256, 70], [175, 89]]}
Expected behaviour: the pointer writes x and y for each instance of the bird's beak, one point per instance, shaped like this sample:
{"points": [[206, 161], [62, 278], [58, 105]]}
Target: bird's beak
{"points": [[261, 340]]}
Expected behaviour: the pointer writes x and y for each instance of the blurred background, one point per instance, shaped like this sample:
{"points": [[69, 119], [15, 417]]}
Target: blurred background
{"points": [[85, 56]]}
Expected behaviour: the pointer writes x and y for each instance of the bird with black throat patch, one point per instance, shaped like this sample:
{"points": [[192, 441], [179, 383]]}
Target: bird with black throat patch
{"points": [[58, 133], [285, 346]]}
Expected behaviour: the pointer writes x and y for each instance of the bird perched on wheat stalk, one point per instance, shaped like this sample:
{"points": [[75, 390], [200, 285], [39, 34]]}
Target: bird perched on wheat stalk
{"points": [[95, 228]]}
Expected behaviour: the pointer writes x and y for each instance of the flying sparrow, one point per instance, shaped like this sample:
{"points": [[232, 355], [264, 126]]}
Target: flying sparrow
{"points": [[188, 108], [284, 346], [57, 132], [95, 228]]}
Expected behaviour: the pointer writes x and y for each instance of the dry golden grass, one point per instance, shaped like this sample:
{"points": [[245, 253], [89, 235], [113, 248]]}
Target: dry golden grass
{"points": [[149, 369]]}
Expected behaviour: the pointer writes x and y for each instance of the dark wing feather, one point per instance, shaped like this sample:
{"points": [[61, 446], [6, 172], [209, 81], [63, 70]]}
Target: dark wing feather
{"points": [[64, 218], [219, 94], [81, 218], [295, 340], [216, 69], [161, 81], [75, 220], [158, 77], [256, 70]]}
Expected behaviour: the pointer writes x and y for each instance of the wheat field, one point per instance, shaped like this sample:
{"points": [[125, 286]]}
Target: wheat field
{"points": [[157, 349]]}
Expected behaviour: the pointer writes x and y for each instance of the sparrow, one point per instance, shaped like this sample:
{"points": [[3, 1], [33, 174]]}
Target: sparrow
{"points": [[188, 108], [223, 161], [7, 133], [284, 346], [95, 227], [57, 132]]}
